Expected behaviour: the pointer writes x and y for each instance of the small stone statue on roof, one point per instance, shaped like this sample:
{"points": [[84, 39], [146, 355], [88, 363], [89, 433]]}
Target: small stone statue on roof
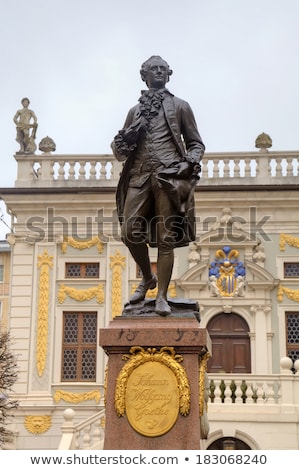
{"points": [[26, 122]]}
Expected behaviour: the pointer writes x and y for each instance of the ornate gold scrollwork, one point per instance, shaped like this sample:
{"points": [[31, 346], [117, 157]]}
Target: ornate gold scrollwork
{"points": [[80, 244], [45, 263], [77, 397], [117, 264], [290, 293], [81, 295], [289, 239], [203, 395]]}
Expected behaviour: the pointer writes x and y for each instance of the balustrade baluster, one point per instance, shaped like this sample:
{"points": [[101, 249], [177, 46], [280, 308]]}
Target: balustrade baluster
{"points": [[103, 170], [216, 169], [226, 167], [222, 388], [217, 393], [276, 390], [60, 170], [86, 437], [77, 440], [81, 172], [238, 392], [97, 434], [212, 391], [260, 392], [244, 388], [270, 393], [205, 169], [112, 171], [72, 171], [247, 168], [52, 163], [92, 171], [280, 167], [253, 395], [289, 166]]}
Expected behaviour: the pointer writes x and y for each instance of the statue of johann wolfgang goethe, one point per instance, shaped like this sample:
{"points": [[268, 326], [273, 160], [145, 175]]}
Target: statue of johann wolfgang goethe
{"points": [[162, 150]]}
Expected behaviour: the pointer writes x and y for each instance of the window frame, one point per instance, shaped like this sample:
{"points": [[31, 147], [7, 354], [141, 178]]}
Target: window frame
{"points": [[79, 346], [290, 346], [83, 265]]}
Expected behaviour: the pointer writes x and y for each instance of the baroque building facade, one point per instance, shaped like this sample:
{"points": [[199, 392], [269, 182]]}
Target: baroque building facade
{"points": [[71, 275]]}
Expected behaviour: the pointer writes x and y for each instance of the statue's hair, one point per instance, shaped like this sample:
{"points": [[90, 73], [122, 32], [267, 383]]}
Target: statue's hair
{"points": [[145, 66], [25, 99]]}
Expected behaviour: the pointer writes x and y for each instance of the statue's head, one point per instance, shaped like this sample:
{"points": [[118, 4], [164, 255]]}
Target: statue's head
{"points": [[146, 66], [26, 101]]}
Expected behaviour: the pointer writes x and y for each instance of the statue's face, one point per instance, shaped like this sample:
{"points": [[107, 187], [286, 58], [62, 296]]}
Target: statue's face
{"points": [[157, 74]]}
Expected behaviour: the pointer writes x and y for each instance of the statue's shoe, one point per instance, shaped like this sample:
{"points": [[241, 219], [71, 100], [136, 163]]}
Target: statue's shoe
{"points": [[142, 289], [162, 307]]}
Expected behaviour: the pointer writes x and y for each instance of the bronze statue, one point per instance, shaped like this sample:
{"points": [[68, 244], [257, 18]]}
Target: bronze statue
{"points": [[162, 150], [25, 119]]}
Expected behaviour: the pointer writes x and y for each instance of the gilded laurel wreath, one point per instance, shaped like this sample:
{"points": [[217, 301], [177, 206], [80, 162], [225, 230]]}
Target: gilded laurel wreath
{"points": [[139, 356]]}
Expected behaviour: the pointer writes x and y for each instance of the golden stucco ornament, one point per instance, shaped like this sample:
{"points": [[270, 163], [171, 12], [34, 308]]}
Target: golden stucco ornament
{"points": [[38, 424], [152, 389]]}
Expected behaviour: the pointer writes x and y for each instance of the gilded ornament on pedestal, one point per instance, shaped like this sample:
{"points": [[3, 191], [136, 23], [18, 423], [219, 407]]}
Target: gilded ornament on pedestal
{"points": [[203, 365], [152, 389], [204, 395]]}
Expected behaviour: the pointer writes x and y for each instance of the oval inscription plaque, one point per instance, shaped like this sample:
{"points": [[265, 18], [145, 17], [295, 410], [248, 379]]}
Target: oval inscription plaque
{"points": [[152, 399]]}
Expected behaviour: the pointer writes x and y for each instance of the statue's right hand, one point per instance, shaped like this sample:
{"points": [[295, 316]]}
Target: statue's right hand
{"points": [[132, 132]]}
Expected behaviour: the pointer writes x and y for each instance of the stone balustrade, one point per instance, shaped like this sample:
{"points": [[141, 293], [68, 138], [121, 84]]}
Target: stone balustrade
{"points": [[88, 434], [218, 169]]}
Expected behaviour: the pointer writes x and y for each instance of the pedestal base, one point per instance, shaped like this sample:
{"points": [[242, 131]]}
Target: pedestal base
{"points": [[187, 340]]}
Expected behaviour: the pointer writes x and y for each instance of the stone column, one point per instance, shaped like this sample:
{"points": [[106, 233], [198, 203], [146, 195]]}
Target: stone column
{"points": [[261, 340]]}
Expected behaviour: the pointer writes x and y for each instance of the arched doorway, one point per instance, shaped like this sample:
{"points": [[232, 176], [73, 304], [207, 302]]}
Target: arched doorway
{"points": [[228, 443], [230, 344]]}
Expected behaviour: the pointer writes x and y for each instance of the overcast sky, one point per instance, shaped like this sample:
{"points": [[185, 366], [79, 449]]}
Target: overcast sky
{"points": [[235, 61]]}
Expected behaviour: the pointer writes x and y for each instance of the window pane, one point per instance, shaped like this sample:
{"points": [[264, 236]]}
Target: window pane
{"points": [[73, 270], [88, 364], [293, 328], [70, 328], [89, 334], [92, 270], [293, 354], [70, 357], [292, 335], [291, 269]]}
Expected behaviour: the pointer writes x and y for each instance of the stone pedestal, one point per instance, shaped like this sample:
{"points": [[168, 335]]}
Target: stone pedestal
{"points": [[185, 337]]}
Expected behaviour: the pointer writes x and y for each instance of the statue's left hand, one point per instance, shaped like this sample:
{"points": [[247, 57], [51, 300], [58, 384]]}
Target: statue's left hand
{"points": [[184, 170]]}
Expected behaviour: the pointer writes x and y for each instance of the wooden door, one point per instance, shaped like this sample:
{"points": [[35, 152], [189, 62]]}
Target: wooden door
{"points": [[230, 344]]}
